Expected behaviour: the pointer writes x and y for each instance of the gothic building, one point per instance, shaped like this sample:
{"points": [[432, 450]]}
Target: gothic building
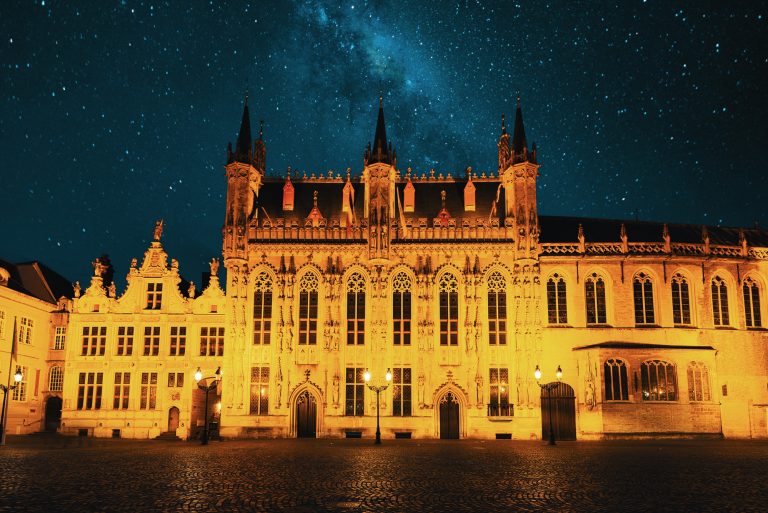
{"points": [[457, 286]]}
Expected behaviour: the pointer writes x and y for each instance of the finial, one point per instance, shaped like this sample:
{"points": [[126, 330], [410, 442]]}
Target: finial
{"points": [[381, 100], [315, 198], [503, 124], [518, 99], [442, 196], [261, 129], [349, 173], [246, 96]]}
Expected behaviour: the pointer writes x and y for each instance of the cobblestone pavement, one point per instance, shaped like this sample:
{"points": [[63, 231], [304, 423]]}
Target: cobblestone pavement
{"points": [[304, 476]]}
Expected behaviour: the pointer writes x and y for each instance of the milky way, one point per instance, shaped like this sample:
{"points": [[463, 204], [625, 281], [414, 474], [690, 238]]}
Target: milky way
{"points": [[115, 114]]}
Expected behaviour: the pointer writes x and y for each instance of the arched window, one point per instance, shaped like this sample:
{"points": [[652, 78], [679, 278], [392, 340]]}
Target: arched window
{"points": [[658, 380], [401, 309], [594, 290], [642, 287], [681, 301], [616, 380], [698, 382], [262, 308], [752, 303], [308, 286], [356, 310], [497, 309], [557, 311], [55, 379], [449, 310], [720, 302]]}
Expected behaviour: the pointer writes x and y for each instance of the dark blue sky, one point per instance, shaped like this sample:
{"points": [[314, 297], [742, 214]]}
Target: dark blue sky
{"points": [[114, 114]]}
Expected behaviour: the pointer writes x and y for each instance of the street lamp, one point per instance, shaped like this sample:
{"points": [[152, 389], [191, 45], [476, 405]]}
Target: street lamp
{"points": [[4, 413], [378, 389], [548, 387], [206, 385]]}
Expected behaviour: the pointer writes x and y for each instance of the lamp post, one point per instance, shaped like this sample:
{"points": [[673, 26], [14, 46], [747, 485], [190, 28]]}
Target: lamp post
{"points": [[378, 389], [206, 385], [17, 377], [548, 387]]}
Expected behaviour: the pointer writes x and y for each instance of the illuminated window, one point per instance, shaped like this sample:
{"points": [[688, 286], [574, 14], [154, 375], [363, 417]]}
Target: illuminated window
{"points": [[89, 390], [178, 340], [212, 341], [499, 402], [175, 380], [154, 296], [20, 392], [698, 382], [259, 390], [124, 340], [616, 380], [557, 309], [25, 331], [122, 390], [148, 399], [55, 379], [262, 309], [497, 310], [94, 340], [642, 287], [658, 380], [59, 338], [355, 391], [356, 310], [151, 340], [308, 309], [719, 302], [752, 303], [449, 310], [594, 291], [681, 302], [401, 309], [401, 392]]}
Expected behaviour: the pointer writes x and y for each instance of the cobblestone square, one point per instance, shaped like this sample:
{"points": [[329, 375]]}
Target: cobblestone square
{"points": [[303, 476]]}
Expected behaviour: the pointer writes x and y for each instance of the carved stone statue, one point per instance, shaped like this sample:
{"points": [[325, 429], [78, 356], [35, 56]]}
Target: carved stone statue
{"points": [[191, 290], [112, 290], [76, 288], [421, 391], [214, 266], [336, 390], [158, 230], [134, 263], [479, 390]]}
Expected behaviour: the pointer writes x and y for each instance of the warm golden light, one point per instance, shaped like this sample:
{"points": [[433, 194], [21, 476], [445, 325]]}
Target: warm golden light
{"points": [[388, 376], [198, 374], [559, 373], [218, 407], [18, 376], [537, 373], [367, 376]]}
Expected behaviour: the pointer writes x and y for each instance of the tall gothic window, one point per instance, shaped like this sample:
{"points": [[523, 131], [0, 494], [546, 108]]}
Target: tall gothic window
{"points": [[497, 309], [356, 310], [681, 301], [308, 309], [720, 302], [594, 291], [259, 390], [401, 391], [658, 380], [56, 379], [449, 310], [499, 401], [752, 303], [262, 308], [642, 286], [698, 382], [557, 310], [401, 309], [355, 391], [616, 380]]}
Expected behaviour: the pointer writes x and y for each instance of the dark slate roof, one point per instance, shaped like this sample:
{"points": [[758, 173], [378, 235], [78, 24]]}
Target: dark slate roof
{"points": [[329, 199], [634, 345], [37, 280], [428, 200]]}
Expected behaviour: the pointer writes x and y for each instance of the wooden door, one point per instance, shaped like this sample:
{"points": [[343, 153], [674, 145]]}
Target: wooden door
{"points": [[449, 417], [173, 419], [306, 416], [563, 401], [52, 413]]}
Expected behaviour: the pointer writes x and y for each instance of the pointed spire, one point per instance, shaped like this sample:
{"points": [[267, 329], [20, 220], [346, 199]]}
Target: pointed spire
{"points": [[381, 151], [243, 151], [519, 143]]}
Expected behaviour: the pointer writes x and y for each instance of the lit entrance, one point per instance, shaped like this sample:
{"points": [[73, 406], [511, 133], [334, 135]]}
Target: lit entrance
{"points": [[52, 413], [563, 412], [306, 415], [173, 419], [449, 417]]}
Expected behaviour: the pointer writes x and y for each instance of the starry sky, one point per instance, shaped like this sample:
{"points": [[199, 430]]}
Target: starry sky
{"points": [[117, 113]]}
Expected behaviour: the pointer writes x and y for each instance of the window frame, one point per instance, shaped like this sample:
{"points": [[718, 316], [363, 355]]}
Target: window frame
{"points": [[448, 308], [499, 404], [56, 383], [557, 299], [402, 392], [354, 392], [721, 314], [309, 288], [649, 378], [643, 301], [263, 301], [497, 308], [355, 292], [621, 373], [260, 381], [699, 386], [596, 278], [402, 309], [751, 289], [680, 304]]}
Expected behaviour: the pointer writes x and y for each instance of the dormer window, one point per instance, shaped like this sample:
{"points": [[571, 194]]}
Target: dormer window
{"points": [[469, 196], [154, 296], [409, 197], [288, 195]]}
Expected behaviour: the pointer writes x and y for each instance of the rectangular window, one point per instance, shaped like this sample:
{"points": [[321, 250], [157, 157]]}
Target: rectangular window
{"points": [[56, 379], [20, 392], [178, 340], [401, 392], [681, 306], [89, 390], [154, 296], [59, 338], [148, 391], [124, 340], [25, 331], [497, 318], [449, 318], [499, 404], [94, 340], [355, 391], [401, 317], [262, 317], [175, 380], [212, 341], [355, 318], [122, 390], [308, 317], [594, 290], [151, 340], [259, 390]]}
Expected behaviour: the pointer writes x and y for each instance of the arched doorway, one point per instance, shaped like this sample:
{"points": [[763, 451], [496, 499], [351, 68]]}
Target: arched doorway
{"points": [[53, 413], [449, 416], [173, 419], [563, 410], [306, 415]]}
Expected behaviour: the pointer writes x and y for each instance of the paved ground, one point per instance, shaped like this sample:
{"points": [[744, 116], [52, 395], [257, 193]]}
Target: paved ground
{"points": [[303, 476]]}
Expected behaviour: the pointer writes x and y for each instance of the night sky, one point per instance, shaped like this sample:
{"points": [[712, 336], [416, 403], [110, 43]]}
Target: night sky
{"points": [[114, 114]]}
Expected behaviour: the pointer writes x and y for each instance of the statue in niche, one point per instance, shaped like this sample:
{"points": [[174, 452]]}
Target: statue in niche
{"points": [[336, 390], [590, 396], [479, 390], [158, 232], [421, 390]]}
